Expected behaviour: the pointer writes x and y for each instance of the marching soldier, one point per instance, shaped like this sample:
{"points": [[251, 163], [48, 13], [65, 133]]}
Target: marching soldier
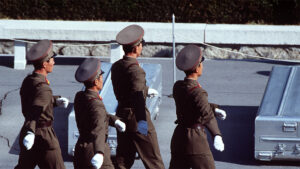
{"points": [[189, 145], [38, 142], [130, 89], [91, 150]]}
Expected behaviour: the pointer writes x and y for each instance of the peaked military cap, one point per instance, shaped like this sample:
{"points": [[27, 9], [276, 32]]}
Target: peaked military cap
{"points": [[88, 70], [41, 51], [189, 57], [131, 35]]}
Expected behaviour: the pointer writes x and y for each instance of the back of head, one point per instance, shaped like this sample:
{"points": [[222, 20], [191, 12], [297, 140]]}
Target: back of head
{"points": [[40, 52], [88, 71], [189, 58]]}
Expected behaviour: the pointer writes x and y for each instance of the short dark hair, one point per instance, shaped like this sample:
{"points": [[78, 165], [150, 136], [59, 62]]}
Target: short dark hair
{"points": [[188, 72], [128, 49], [37, 65], [89, 84]]}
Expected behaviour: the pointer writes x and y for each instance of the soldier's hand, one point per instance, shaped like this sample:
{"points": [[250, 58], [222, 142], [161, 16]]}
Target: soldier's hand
{"points": [[152, 92], [97, 160], [142, 127], [218, 143], [120, 125], [221, 114], [62, 102], [29, 140]]}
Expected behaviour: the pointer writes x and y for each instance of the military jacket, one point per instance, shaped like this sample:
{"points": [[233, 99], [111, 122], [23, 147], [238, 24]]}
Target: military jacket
{"points": [[129, 84], [37, 101], [92, 119], [37, 107], [192, 107]]}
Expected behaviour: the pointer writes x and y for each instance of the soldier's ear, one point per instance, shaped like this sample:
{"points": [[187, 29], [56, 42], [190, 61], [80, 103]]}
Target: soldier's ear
{"points": [[134, 49], [44, 64]]}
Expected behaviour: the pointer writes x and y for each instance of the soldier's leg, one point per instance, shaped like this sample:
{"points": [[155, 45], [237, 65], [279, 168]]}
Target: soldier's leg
{"points": [[148, 149], [27, 159], [179, 161], [83, 155], [125, 151], [107, 163], [51, 159], [202, 161]]}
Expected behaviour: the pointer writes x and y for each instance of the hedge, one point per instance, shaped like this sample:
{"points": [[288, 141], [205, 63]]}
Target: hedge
{"points": [[196, 11]]}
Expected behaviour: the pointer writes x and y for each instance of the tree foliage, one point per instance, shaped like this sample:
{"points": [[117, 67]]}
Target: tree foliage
{"points": [[201, 11]]}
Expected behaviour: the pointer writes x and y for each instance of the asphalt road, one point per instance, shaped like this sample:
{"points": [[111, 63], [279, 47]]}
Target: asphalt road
{"points": [[236, 85]]}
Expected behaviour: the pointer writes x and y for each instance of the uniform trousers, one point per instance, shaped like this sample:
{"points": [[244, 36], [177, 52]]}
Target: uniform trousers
{"points": [[42, 154], [197, 161], [84, 153], [147, 147]]}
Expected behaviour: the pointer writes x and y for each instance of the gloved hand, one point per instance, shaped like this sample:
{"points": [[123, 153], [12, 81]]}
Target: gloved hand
{"points": [[97, 160], [221, 114], [28, 140], [152, 92], [218, 143], [120, 125], [142, 127], [62, 102]]}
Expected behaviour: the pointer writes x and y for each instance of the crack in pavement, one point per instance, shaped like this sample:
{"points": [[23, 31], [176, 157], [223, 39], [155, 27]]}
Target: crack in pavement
{"points": [[4, 97], [7, 140], [1, 102]]}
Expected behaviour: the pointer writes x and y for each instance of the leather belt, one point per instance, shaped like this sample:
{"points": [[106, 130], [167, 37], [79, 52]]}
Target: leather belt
{"points": [[195, 126], [44, 124]]}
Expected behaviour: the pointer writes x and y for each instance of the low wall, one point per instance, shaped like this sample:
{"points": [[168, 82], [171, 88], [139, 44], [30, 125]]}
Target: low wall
{"points": [[82, 38], [165, 50]]}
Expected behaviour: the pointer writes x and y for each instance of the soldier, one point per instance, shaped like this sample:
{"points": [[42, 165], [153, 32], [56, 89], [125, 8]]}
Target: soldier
{"points": [[92, 120], [130, 88], [189, 145], [38, 142]]}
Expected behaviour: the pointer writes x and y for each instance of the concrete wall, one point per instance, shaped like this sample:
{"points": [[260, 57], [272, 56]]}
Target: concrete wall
{"points": [[90, 38], [154, 32]]}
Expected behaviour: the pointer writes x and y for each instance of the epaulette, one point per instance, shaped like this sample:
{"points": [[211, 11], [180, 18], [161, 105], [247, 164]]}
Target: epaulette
{"points": [[195, 87], [95, 98], [133, 64]]}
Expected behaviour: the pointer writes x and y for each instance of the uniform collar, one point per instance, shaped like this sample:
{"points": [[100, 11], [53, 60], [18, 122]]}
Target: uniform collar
{"points": [[41, 76], [130, 58], [93, 93], [192, 81]]}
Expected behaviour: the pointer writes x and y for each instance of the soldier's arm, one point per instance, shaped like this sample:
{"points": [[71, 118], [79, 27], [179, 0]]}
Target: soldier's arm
{"points": [[112, 119], [137, 79], [98, 116], [54, 100], [42, 99], [206, 112]]}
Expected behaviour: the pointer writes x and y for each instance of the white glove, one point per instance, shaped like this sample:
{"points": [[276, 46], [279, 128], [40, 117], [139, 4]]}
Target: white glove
{"points": [[152, 92], [97, 160], [218, 143], [29, 140], [62, 102], [221, 114], [120, 125]]}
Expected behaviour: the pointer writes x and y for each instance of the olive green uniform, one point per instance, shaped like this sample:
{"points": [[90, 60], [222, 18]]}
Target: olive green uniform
{"points": [[92, 121], [189, 145], [37, 107], [130, 88]]}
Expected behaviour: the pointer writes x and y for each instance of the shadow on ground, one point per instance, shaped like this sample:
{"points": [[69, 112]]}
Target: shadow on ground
{"points": [[238, 136]]}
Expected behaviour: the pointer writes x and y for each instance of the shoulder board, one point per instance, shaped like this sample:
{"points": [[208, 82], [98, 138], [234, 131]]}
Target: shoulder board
{"points": [[95, 98], [195, 87], [39, 84], [132, 64]]}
